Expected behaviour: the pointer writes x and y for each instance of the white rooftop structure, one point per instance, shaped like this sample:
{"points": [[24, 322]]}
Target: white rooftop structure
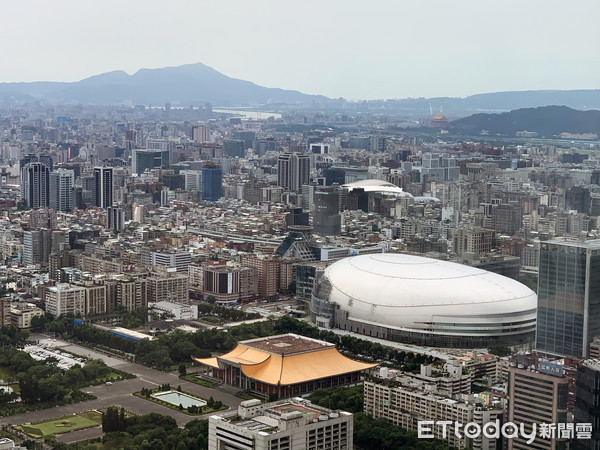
{"points": [[398, 296], [377, 186]]}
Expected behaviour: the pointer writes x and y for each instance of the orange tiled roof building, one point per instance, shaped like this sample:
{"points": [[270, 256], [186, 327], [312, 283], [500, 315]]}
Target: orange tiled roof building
{"points": [[287, 365]]}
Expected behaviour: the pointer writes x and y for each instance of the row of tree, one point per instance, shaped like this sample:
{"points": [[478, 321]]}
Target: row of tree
{"points": [[178, 347]]}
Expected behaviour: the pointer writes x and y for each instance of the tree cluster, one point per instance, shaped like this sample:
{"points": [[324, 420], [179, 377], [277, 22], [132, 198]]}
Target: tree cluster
{"points": [[113, 419]]}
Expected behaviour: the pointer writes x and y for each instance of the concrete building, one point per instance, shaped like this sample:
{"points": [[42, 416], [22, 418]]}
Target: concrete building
{"points": [[5, 308], [535, 397], [230, 284], [61, 187], [294, 424], [21, 314], [168, 285], [175, 310], [268, 268], [406, 400], [65, 298], [130, 293], [173, 259], [293, 171], [568, 313], [476, 241], [35, 185], [115, 218]]}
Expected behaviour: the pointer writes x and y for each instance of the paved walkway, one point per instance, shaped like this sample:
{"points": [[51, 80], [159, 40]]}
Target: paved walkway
{"points": [[120, 393]]}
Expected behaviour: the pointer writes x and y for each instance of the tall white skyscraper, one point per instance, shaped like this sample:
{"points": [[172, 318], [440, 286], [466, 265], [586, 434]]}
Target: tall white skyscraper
{"points": [[61, 186]]}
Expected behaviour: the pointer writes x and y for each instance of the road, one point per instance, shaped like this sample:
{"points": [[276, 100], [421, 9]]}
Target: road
{"points": [[120, 393]]}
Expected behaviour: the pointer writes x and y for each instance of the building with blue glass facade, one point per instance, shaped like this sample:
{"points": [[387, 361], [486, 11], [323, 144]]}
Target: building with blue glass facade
{"points": [[212, 183], [568, 314]]}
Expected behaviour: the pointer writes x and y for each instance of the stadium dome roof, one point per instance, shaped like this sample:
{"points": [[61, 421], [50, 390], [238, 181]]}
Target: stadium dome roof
{"points": [[377, 186]]}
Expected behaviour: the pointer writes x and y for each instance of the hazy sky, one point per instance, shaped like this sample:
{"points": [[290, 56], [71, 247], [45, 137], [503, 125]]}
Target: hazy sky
{"points": [[339, 48]]}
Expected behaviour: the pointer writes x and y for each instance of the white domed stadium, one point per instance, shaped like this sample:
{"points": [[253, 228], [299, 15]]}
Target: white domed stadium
{"points": [[424, 301]]}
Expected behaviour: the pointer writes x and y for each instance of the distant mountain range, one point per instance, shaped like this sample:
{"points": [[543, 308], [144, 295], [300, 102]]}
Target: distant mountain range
{"points": [[196, 84], [547, 121]]}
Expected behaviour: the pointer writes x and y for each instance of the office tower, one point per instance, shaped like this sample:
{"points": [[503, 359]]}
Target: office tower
{"points": [[234, 148], [192, 180], [568, 315], [286, 424], [115, 217], [319, 149], [507, 219], [104, 186], [326, 217], [293, 171], [174, 259], [308, 197], [262, 146], [587, 401], [334, 175], [297, 217], [230, 284], [200, 133], [35, 184], [36, 246], [61, 187], [536, 397], [142, 159], [246, 136], [212, 183]]}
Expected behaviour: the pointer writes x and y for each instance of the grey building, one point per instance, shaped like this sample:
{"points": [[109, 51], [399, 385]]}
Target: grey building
{"points": [[293, 170], [104, 186], [326, 219], [35, 184], [587, 403]]}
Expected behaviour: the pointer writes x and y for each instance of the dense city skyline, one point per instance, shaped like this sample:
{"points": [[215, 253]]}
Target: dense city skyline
{"points": [[385, 50]]}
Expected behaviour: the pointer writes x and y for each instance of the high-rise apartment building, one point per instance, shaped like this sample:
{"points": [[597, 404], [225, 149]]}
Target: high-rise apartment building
{"points": [[537, 396], [293, 171], [61, 189], [230, 284], [200, 133], [104, 186], [35, 184], [267, 268], [115, 217], [568, 314], [64, 298], [168, 285]]}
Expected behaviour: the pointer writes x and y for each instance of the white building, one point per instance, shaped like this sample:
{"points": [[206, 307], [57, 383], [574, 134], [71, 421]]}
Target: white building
{"points": [[293, 424], [64, 298], [176, 310]]}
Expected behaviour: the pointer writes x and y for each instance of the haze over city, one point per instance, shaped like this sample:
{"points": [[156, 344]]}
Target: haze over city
{"points": [[355, 50]]}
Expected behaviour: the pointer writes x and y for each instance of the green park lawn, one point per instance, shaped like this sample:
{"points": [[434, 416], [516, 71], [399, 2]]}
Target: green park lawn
{"points": [[87, 419]]}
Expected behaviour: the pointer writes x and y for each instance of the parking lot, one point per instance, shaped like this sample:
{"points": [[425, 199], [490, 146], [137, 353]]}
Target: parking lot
{"points": [[42, 351]]}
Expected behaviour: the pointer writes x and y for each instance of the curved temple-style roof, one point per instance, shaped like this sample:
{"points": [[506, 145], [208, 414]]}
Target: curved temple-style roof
{"points": [[277, 367], [294, 369]]}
